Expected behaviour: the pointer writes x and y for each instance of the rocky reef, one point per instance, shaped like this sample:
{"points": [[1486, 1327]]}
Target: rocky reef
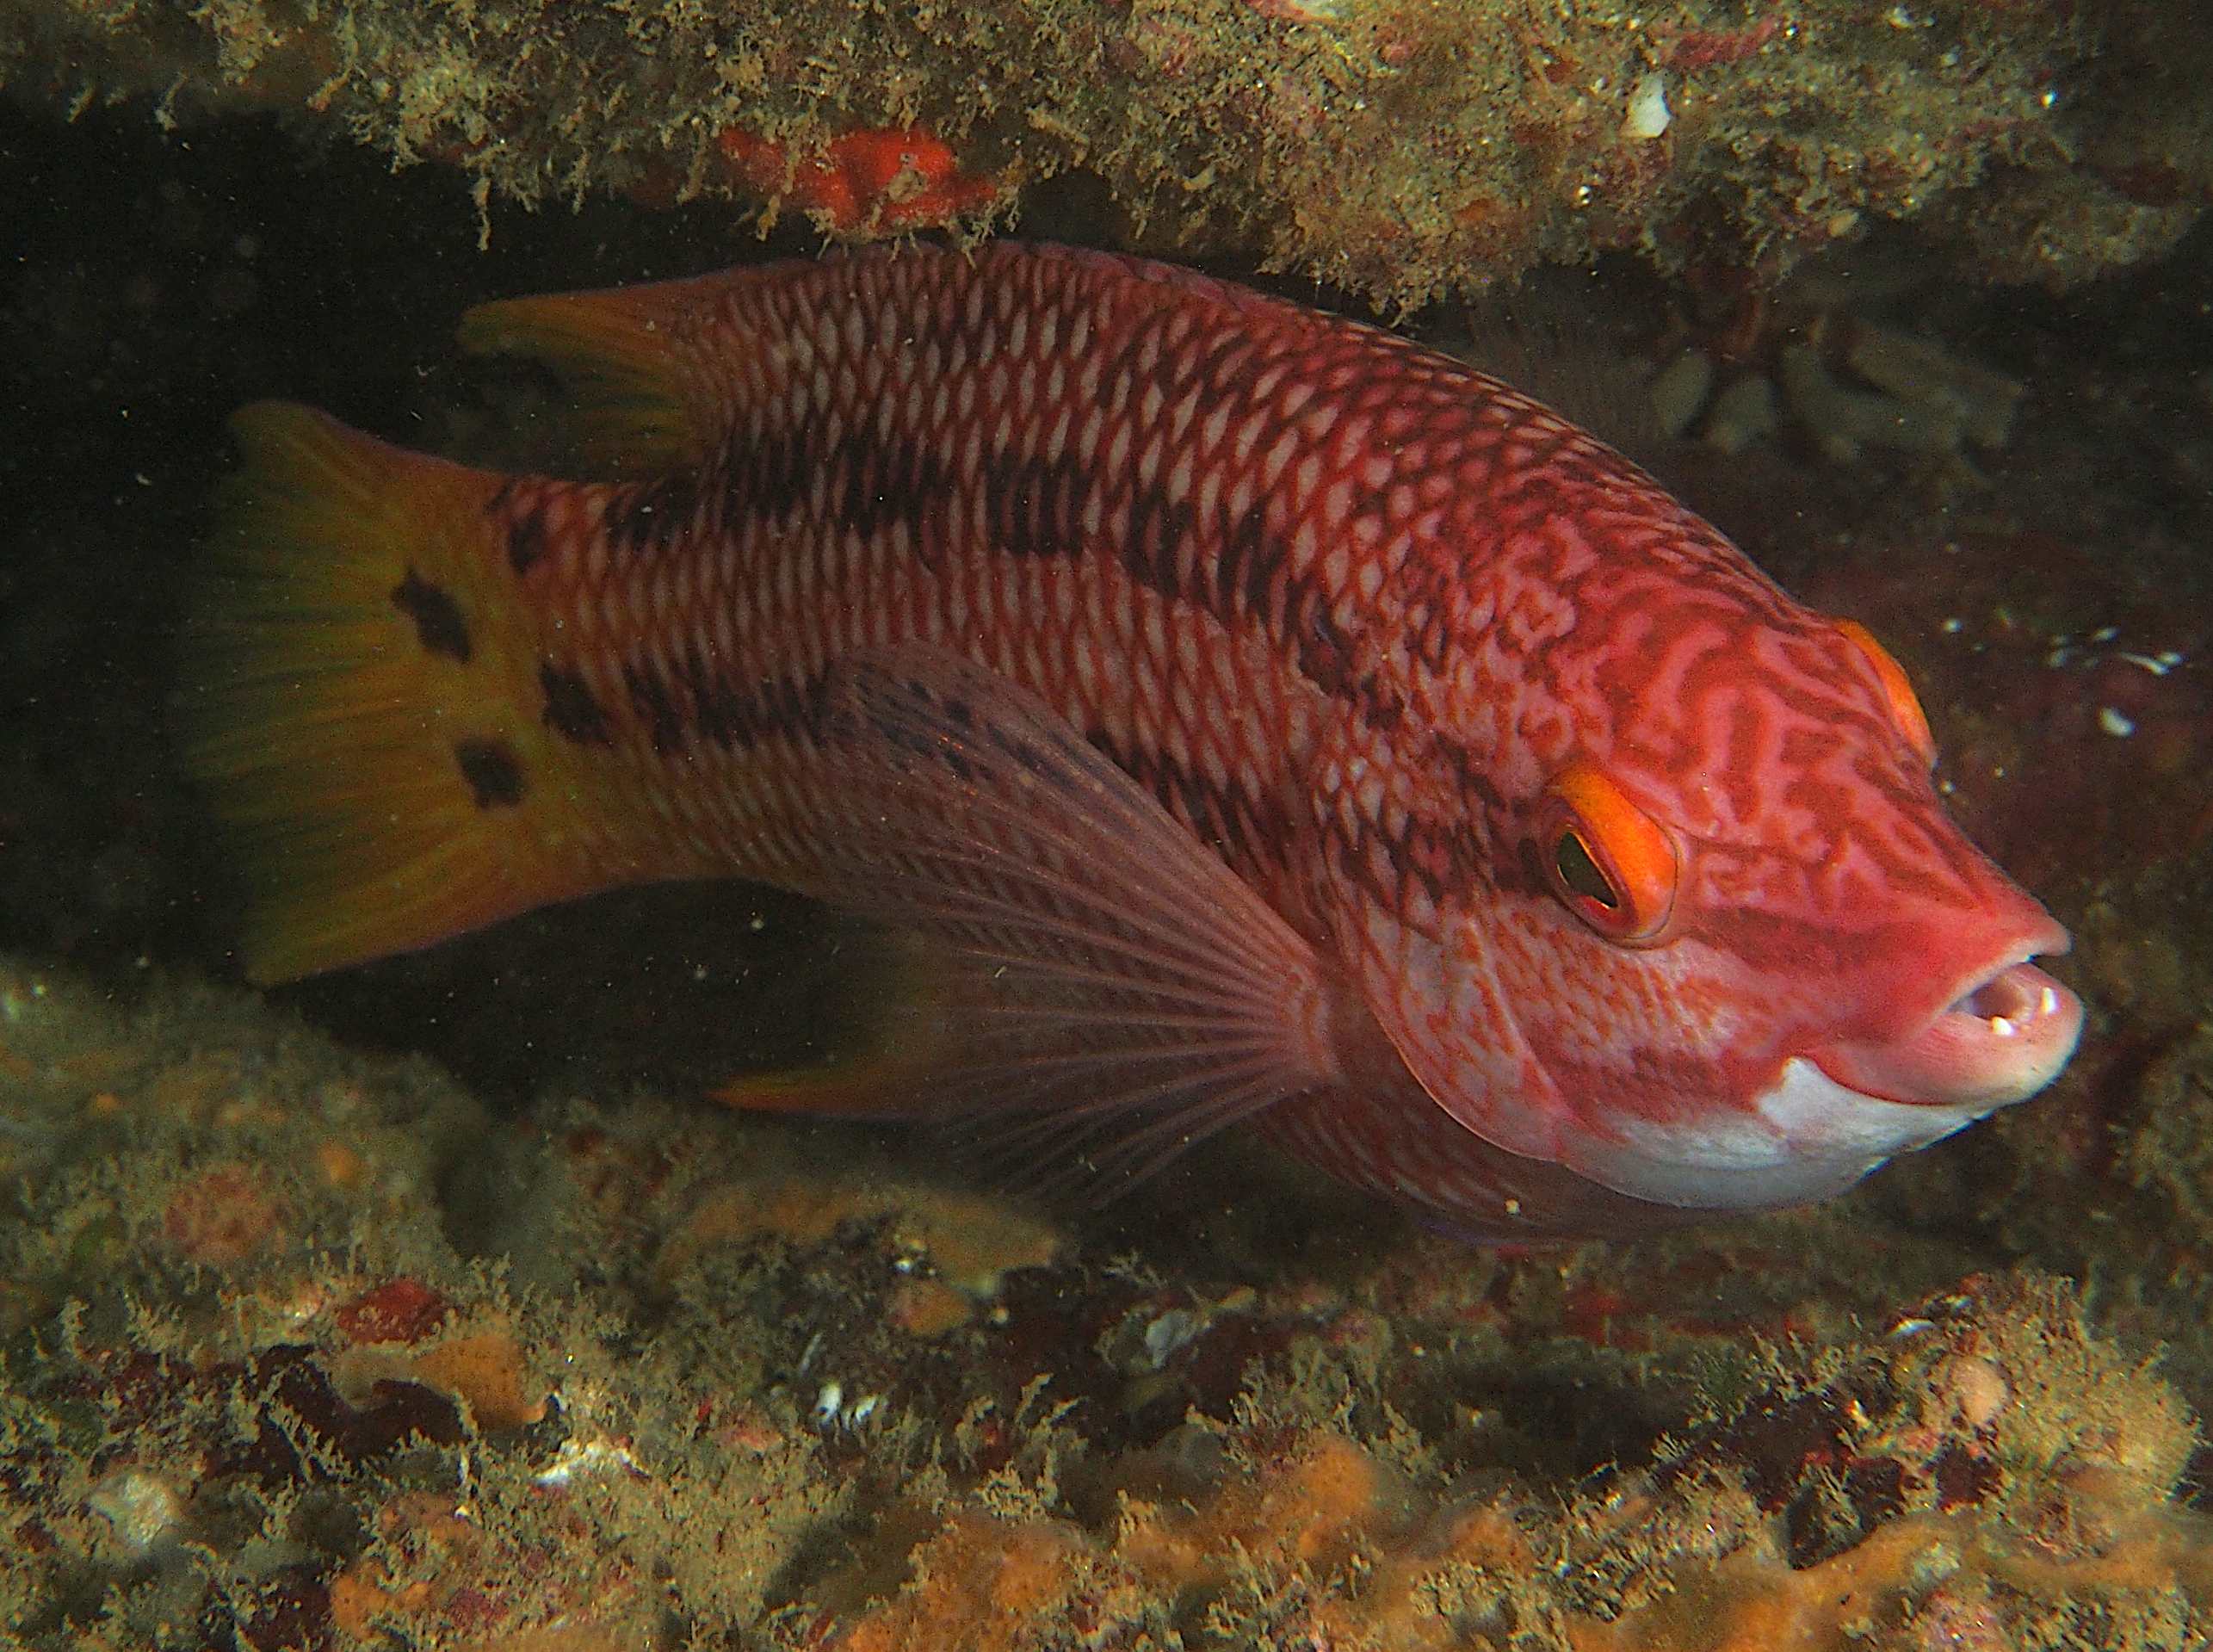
{"points": [[264, 1386], [1401, 148]]}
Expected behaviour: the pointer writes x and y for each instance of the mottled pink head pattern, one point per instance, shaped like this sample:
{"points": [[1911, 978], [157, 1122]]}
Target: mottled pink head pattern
{"points": [[1703, 933]]}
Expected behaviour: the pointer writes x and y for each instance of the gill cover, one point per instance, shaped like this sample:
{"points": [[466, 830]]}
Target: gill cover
{"points": [[1905, 705]]}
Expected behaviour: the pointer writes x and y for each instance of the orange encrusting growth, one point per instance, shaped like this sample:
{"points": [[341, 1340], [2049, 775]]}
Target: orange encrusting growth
{"points": [[1322, 1550], [873, 181]]}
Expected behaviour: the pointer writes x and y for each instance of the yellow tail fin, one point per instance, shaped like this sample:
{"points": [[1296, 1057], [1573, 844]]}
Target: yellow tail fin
{"points": [[359, 701]]}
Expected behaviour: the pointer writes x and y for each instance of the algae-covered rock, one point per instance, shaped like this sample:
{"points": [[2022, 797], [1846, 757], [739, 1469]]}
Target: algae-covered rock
{"points": [[1403, 149], [1983, 1473], [250, 1395], [684, 1375]]}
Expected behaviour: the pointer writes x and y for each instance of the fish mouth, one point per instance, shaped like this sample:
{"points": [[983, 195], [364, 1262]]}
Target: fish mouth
{"points": [[1999, 1041]]}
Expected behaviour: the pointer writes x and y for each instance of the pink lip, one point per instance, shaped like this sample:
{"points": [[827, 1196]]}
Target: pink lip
{"points": [[1999, 1042]]}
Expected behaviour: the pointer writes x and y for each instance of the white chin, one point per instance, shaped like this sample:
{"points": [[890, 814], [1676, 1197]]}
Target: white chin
{"points": [[1804, 1139]]}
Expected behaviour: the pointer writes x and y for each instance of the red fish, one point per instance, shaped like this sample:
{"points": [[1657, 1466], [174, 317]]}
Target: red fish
{"points": [[1262, 717]]}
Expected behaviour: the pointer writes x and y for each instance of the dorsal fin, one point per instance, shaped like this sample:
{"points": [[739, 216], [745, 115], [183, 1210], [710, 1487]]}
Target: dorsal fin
{"points": [[635, 407]]}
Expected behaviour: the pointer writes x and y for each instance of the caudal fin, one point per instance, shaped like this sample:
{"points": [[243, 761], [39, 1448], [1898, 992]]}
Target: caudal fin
{"points": [[356, 676]]}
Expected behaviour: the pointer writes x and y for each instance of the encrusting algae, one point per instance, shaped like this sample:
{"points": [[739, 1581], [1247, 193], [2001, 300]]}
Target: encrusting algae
{"points": [[1309, 1537], [301, 1418], [1406, 149]]}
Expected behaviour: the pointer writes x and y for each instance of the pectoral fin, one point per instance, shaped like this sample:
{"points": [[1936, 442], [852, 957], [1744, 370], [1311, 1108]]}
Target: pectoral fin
{"points": [[1096, 969]]}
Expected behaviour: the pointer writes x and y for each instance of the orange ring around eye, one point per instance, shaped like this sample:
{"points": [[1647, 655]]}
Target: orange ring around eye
{"points": [[1588, 824], [1897, 688]]}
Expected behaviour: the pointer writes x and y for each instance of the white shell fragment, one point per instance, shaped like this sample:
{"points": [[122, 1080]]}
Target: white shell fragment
{"points": [[143, 1508], [1648, 113], [1678, 391], [1743, 413]]}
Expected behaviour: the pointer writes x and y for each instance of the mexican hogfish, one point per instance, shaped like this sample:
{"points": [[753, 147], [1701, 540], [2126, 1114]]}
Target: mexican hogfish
{"points": [[1261, 717]]}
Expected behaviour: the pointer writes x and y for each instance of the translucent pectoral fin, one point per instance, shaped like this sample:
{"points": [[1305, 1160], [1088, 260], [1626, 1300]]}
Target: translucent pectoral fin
{"points": [[1094, 967]]}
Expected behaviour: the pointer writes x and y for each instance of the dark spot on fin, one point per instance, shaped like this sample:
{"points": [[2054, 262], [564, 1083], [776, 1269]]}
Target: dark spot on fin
{"points": [[493, 771], [438, 622], [571, 710]]}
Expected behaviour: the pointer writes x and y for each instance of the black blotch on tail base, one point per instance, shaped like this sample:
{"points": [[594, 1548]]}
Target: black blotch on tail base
{"points": [[526, 542], [438, 622], [493, 771], [570, 709], [655, 707]]}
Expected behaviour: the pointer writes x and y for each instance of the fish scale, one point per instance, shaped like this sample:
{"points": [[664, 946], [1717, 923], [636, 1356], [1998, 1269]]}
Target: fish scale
{"points": [[1260, 714], [950, 481], [862, 550]]}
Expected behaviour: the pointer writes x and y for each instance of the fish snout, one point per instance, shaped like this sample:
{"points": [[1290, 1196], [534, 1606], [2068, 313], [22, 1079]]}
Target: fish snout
{"points": [[2001, 1041]]}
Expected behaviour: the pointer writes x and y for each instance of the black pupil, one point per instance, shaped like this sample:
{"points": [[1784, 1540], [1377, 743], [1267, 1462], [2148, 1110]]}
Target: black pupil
{"points": [[1580, 873]]}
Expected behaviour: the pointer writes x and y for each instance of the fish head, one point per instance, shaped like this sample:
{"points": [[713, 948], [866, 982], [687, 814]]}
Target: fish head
{"points": [[1708, 937]]}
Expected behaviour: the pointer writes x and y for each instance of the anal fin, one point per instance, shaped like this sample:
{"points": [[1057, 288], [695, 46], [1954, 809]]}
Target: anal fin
{"points": [[883, 1050]]}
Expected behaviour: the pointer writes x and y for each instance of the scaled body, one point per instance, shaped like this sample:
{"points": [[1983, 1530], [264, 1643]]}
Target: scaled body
{"points": [[1264, 715]]}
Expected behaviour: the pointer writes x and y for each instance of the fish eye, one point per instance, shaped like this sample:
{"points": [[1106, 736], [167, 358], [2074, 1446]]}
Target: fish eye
{"points": [[1609, 862], [1579, 870], [1897, 689]]}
